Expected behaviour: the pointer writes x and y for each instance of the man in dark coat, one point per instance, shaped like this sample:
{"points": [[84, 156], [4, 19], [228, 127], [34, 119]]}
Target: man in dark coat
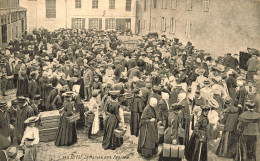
{"points": [[24, 112], [252, 67], [231, 61], [148, 138], [88, 78], [231, 85], [4, 120], [32, 86]]}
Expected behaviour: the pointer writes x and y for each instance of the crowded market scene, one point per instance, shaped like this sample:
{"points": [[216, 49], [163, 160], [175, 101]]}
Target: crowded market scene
{"points": [[172, 98]]}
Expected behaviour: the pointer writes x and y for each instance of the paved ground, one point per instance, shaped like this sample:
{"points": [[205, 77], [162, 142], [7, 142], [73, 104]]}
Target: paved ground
{"points": [[91, 149]]}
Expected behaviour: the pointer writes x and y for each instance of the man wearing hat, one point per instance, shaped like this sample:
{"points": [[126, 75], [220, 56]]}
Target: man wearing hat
{"points": [[248, 128], [24, 111], [4, 120], [32, 85], [252, 67], [88, 78], [35, 102], [3, 77], [231, 62]]}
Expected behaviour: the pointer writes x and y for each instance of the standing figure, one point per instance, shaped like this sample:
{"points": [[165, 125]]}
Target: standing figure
{"points": [[67, 134], [24, 111], [197, 147], [148, 138], [231, 85], [110, 141], [228, 142], [30, 139], [4, 120], [252, 67], [88, 82], [136, 107], [248, 128]]}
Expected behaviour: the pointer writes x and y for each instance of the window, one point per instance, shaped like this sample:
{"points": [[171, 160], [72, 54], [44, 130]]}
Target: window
{"points": [[189, 5], [172, 25], [163, 24], [50, 8], [206, 5], [154, 23], [111, 4], [128, 5], [78, 23], [110, 23], [144, 25], [154, 4], [174, 4], [94, 3], [95, 23], [164, 4], [16, 32], [188, 29], [77, 3], [144, 5]]}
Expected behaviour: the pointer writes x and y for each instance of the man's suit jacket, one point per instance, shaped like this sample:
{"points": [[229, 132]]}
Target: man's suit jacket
{"points": [[88, 78]]}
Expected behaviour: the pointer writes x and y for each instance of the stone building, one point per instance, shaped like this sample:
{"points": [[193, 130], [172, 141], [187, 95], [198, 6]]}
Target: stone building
{"points": [[218, 26]]}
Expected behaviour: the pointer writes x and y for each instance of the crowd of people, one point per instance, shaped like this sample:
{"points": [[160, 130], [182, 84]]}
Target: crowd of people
{"points": [[193, 97]]}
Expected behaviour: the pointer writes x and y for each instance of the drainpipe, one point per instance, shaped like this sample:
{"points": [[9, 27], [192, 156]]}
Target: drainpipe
{"points": [[66, 16]]}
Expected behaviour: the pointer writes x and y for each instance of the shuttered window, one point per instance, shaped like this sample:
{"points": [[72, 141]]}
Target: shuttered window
{"points": [[154, 4], [128, 5], [189, 5], [206, 5], [174, 4], [78, 23], [163, 24], [188, 29], [77, 3], [164, 4], [95, 23], [173, 25], [145, 5], [111, 4], [94, 3], [110, 23], [50, 8]]}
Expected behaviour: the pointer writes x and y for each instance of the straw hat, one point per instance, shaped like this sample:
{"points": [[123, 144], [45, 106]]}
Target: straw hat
{"points": [[31, 119]]}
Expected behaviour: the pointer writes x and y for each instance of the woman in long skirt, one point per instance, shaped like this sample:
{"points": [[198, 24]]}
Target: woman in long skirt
{"points": [[197, 146], [110, 141], [228, 141], [30, 139], [67, 134]]}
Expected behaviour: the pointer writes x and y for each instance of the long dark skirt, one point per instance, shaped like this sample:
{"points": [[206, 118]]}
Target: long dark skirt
{"points": [[193, 149], [161, 158], [67, 134], [186, 126], [110, 141], [227, 145], [134, 125], [246, 149], [22, 87], [220, 102]]}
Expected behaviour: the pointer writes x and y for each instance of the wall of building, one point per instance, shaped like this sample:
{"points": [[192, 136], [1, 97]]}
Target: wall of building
{"points": [[65, 11], [37, 15], [228, 26]]}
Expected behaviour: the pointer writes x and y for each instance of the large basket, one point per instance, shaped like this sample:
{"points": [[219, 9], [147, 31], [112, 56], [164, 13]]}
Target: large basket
{"points": [[73, 118], [119, 133]]}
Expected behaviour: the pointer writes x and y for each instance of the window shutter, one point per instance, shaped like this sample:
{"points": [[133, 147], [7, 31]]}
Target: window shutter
{"points": [[72, 23], [83, 23], [100, 23], [188, 29], [206, 5], [106, 24], [165, 4], [189, 5], [90, 23], [165, 24]]}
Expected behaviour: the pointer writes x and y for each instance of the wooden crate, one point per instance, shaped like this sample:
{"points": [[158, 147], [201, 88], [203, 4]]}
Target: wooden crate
{"points": [[49, 115], [49, 125]]}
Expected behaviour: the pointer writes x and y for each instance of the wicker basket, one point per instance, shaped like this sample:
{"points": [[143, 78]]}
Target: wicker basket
{"points": [[73, 118], [119, 133]]}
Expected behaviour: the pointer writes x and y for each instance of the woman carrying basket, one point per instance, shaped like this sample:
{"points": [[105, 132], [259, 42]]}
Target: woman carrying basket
{"points": [[67, 134]]}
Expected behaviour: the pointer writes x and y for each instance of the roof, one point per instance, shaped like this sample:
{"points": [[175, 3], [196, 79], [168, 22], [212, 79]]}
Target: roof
{"points": [[7, 10]]}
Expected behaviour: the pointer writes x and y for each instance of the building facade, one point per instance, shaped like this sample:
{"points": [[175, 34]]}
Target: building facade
{"points": [[217, 26], [85, 14], [13, 20]]}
